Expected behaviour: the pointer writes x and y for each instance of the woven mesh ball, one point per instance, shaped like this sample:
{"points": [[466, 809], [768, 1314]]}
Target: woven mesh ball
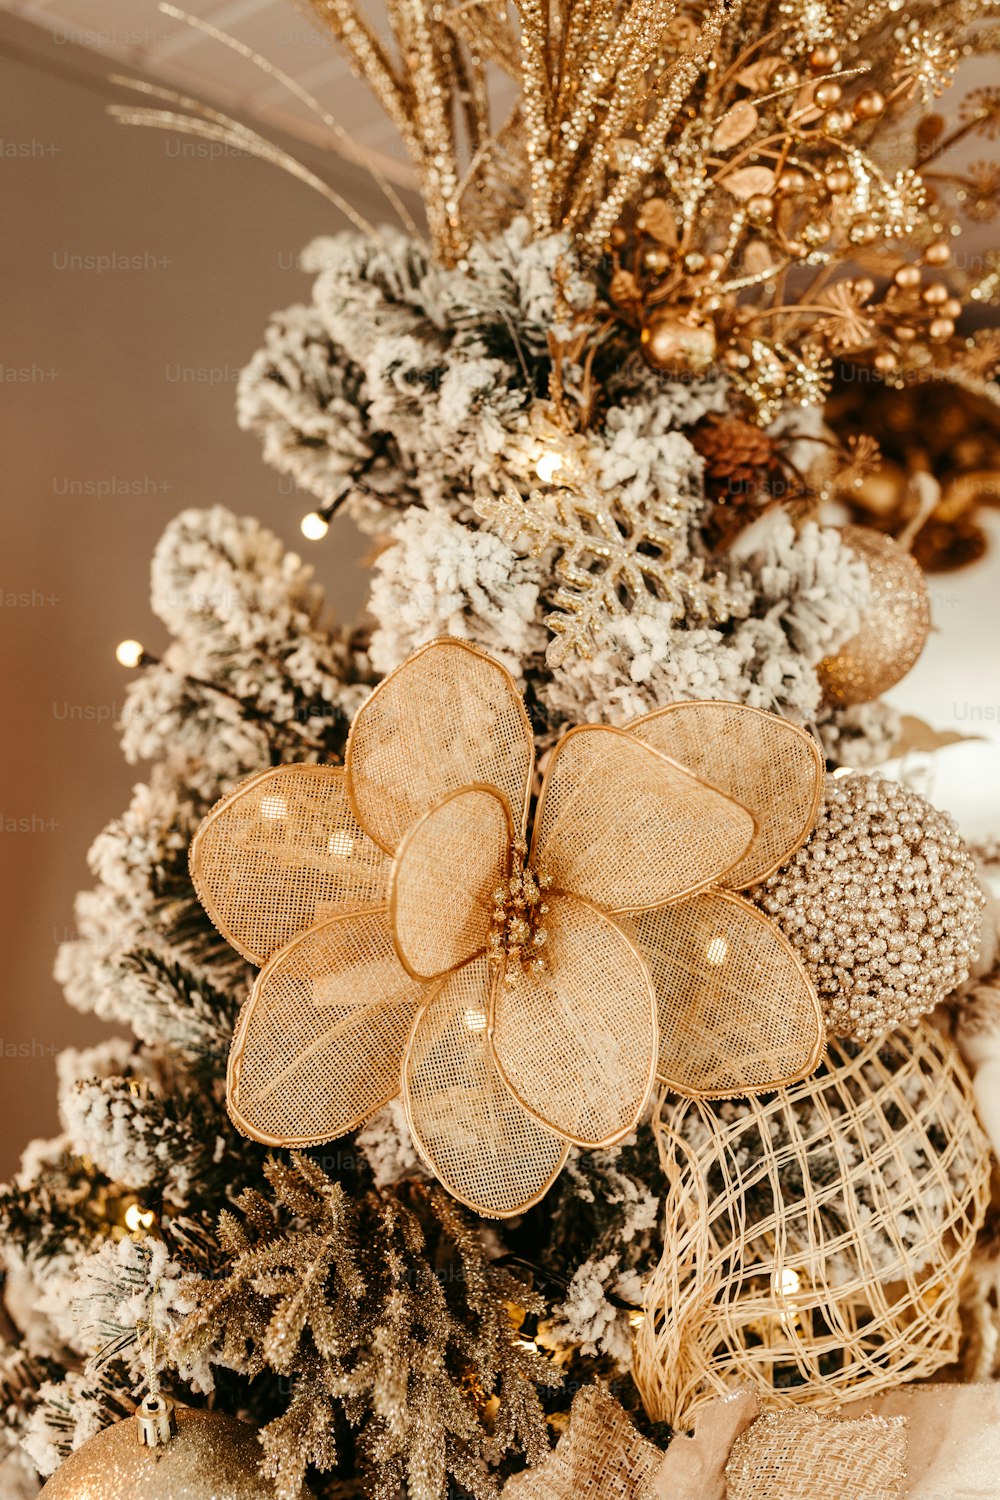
{"points": [[882, 904], [816, 1239]]}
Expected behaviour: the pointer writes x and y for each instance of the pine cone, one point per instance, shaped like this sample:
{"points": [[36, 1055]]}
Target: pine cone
{"points": [[739, 458]]}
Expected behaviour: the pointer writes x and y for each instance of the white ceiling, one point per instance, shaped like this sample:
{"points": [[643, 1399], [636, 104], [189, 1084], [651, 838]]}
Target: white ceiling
{"points": [[134, 34]]}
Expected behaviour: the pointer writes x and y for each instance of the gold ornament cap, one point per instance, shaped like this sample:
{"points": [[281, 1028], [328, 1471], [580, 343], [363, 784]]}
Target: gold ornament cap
{"points": [[155, 1422]]}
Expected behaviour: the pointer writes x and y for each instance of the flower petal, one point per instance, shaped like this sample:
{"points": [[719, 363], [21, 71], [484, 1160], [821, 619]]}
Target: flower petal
{"points": [[320, 1041], [625, 827], [773, 767], [449, 717], [281, 852], [576, 1043], [468, 1127], [738, 1014], [443, 880]]}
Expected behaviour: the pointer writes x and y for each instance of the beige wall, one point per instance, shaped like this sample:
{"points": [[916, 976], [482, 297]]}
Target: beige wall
{"points": [[109, 377]]}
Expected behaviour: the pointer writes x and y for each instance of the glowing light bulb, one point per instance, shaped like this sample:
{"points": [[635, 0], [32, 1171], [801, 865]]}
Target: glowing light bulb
{"points": [[129, 653], [716, 951], [636, 1319], [273, 807], [786, 1282], [475, 1020], [841, 771], [548, 466], [340, 844], [137, 1217], [314, 526]]}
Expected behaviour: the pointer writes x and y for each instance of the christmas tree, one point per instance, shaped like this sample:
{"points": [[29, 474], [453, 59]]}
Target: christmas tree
{"points": [[420, 1203]]}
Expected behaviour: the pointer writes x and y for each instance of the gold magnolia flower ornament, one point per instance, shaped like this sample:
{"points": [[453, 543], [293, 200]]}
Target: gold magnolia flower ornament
{"points": [[516, 978]]}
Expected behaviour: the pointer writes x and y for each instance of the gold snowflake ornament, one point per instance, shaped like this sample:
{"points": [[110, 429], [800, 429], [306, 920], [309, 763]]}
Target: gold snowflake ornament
{"points": [[519, 968]]}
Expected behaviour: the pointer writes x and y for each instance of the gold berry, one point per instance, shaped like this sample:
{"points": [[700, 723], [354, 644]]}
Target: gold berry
{"points": [[796, 248], [938, 254], [869, 105], [941, 329], [886, 362], [656, 260], [816, 233], [678, 346], [785, 77], [694, 262], [865, 288], [618, 237], [904, 333], [839, 182], [838, 121], [935, 294], [952, 308], [908, 278], [863, 232], [825, 56], [828, 94], [792, 181], [760, 208]]}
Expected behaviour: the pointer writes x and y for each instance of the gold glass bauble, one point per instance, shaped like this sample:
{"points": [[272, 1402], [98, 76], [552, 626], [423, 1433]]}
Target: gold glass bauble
{"points": [[677, 345], [209, 1457], [894, 627]]}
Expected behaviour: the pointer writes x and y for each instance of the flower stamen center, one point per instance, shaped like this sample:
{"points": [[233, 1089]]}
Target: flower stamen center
{"points": [[518, 933]]}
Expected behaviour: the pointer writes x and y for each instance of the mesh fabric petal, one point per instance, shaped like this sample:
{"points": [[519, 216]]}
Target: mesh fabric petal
{"points": [[443, 880], [281, 852], [769, 765], [737, 1012], [449, 717], [320, 1042], [576, 1043], [621, 825], [469, 1128]]}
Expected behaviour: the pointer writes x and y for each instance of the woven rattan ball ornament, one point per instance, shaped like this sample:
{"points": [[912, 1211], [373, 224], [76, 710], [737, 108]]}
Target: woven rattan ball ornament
{"points": [[894, 627], [815, 1241], [882, 903], [166, 1454]]}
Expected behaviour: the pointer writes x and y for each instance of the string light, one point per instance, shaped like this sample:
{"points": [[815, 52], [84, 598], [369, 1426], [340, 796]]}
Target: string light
{"points": [[841, 772], [129, 653], [475, 1020], [340, 844], [138, 1218], [786, 1281], [548, 466], [314, 526], [274, 807]]}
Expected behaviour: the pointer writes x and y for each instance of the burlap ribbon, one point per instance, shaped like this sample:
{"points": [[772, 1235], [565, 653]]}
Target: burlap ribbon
{"points": [[919, 1442], [599, 1457]]}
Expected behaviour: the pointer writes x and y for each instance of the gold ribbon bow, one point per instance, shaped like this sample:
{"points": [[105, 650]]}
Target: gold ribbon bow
{"points": [[520, 979]]}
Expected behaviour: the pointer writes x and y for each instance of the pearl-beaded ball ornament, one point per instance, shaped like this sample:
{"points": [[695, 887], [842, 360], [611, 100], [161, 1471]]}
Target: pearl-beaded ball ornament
{"points": [[882, 904]]}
